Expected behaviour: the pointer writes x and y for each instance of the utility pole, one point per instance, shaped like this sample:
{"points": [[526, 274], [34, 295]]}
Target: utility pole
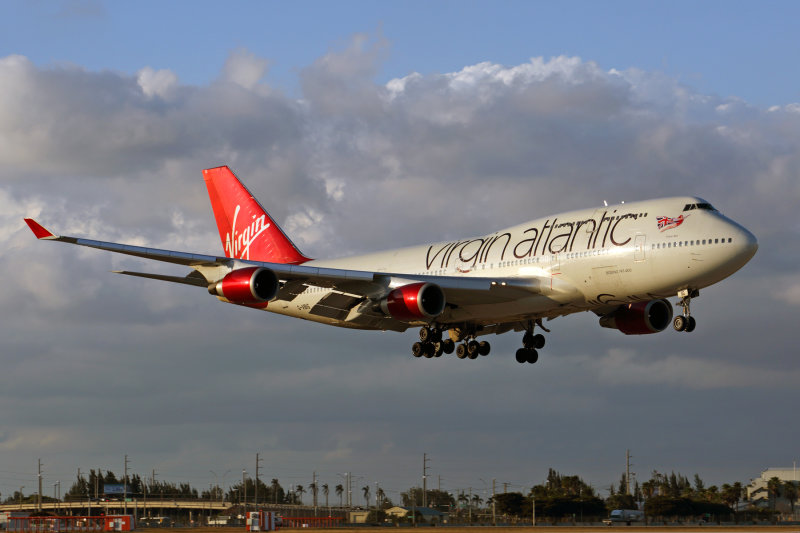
{"points": [[314, 491], [258, 465], [244, 488], [125, 489], [349, 490], [424, 480], [469, 502], [39, 497], [494, 503], [627, 472]]}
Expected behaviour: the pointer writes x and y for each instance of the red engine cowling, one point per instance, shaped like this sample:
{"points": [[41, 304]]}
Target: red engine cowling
{"points": [[415, 301], [251, 285], [640, 318]]}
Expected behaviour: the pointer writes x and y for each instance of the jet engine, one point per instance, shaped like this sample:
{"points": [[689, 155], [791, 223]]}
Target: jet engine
{"points": [[640, 318], [251, 285], [415, 301]]}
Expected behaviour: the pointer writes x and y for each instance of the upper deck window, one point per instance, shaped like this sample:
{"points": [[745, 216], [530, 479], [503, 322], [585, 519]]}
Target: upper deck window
{"points": [[701, 205]]}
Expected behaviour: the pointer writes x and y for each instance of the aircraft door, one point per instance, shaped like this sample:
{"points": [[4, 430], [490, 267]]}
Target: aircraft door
{"points": [[639, 248]]}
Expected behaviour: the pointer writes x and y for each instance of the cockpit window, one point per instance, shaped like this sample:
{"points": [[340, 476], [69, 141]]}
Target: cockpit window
{"points": [[702, 205]]}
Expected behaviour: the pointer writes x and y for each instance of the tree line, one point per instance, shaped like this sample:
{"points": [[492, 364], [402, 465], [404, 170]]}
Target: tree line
{"points": [[560, 496]]}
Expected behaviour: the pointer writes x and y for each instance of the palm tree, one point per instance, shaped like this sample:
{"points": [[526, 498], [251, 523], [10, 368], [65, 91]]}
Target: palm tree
{"points": [[381, 495], [313, 488], [477, 500], [339, 491], [730, 495], [300, 490], [325, 491], [365, 488], [274, 484], [790, 493], [774, 490]]}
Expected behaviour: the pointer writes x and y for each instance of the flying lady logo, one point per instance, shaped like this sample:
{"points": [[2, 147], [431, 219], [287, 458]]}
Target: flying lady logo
{"points": [[238, 244], [665, 223]]}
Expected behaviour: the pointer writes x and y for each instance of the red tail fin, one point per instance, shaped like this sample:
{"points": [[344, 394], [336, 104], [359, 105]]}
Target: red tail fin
{"points": [[245, 228]]}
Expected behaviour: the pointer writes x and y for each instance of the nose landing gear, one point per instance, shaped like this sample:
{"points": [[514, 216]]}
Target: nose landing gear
{"points": [[685, 322]]}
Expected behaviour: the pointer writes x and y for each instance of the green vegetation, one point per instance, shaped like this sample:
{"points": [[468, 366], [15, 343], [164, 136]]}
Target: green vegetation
{"points": [[560, 498]]}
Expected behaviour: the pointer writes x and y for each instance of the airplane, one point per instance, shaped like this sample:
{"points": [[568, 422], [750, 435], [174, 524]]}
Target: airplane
{"points": [[621, 262]]}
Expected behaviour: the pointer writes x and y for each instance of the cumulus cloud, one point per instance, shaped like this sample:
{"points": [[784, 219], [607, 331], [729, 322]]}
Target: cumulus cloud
{"points": [[244, 68], [159, 83], [354, 165]]}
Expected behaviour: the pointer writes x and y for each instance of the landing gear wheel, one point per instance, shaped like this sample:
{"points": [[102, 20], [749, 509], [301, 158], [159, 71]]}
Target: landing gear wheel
{"points": [[521, 355], [533, 356], [680, 323], [425, 334], [437, 349], [472, 349], [448, 346], [417, 349], [430, 350], [484, 348], [527, 340], [691, 325], [461, 351], [538, 341]]}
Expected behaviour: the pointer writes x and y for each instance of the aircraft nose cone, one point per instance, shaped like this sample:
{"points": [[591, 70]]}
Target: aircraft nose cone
{"points": [[750, 245]]}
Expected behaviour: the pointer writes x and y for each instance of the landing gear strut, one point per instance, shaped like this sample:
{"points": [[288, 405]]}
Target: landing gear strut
{"points": [[685, 322], [531, 343]]}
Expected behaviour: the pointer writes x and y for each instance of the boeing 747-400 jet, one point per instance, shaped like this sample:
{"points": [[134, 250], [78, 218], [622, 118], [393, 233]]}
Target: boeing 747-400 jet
{"points": [[621, 262]]}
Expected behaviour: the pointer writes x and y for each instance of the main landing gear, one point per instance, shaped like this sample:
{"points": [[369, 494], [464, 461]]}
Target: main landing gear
{"points": [[530, 344], [685, 322], [431, 345]]}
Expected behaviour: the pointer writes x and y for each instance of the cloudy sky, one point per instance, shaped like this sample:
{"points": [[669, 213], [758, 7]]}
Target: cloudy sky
{"points": [[363, 126]]}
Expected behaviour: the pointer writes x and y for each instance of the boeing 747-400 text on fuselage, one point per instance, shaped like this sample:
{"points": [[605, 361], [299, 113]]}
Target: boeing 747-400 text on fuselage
{"points": [[621, 262]]}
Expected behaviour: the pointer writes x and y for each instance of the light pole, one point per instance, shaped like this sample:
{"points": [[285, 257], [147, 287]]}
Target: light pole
{"points": [[20, 497]]}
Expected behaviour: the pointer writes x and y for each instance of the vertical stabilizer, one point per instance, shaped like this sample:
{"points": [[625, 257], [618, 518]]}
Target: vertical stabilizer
{"points": [[245, 228]]}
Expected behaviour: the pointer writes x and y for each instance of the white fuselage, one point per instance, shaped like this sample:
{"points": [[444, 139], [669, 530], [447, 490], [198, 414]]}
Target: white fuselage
{"points": [[592, 259]]}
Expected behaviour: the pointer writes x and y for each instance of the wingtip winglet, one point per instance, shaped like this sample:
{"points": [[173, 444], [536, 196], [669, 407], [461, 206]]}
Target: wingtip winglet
{"points": [[40, 231]]}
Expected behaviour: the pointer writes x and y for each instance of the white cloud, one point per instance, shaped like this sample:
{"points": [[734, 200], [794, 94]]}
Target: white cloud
{"points": [[244, 68], [161, 83]]}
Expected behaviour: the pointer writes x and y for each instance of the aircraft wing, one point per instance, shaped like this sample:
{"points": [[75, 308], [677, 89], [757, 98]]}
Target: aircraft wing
{"points": [[209, 269]]}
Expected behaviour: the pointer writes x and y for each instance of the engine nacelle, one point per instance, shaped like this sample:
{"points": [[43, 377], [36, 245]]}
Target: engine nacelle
{"points": [[640, 318], [251, 285], [415, 301]]}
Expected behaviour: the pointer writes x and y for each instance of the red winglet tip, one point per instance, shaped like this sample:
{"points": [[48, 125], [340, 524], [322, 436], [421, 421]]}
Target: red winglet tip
{"points": [[40, 231]]}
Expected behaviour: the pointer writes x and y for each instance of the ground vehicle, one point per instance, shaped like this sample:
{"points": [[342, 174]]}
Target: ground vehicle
{"points": [[624, 515]]}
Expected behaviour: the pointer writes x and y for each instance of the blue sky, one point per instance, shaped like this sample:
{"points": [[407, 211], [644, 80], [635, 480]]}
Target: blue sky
{"points": [[730, 48], [110, 110]]}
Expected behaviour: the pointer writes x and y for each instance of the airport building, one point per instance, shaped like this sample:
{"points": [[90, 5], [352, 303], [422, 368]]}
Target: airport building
{"points": [[758, 491]]}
